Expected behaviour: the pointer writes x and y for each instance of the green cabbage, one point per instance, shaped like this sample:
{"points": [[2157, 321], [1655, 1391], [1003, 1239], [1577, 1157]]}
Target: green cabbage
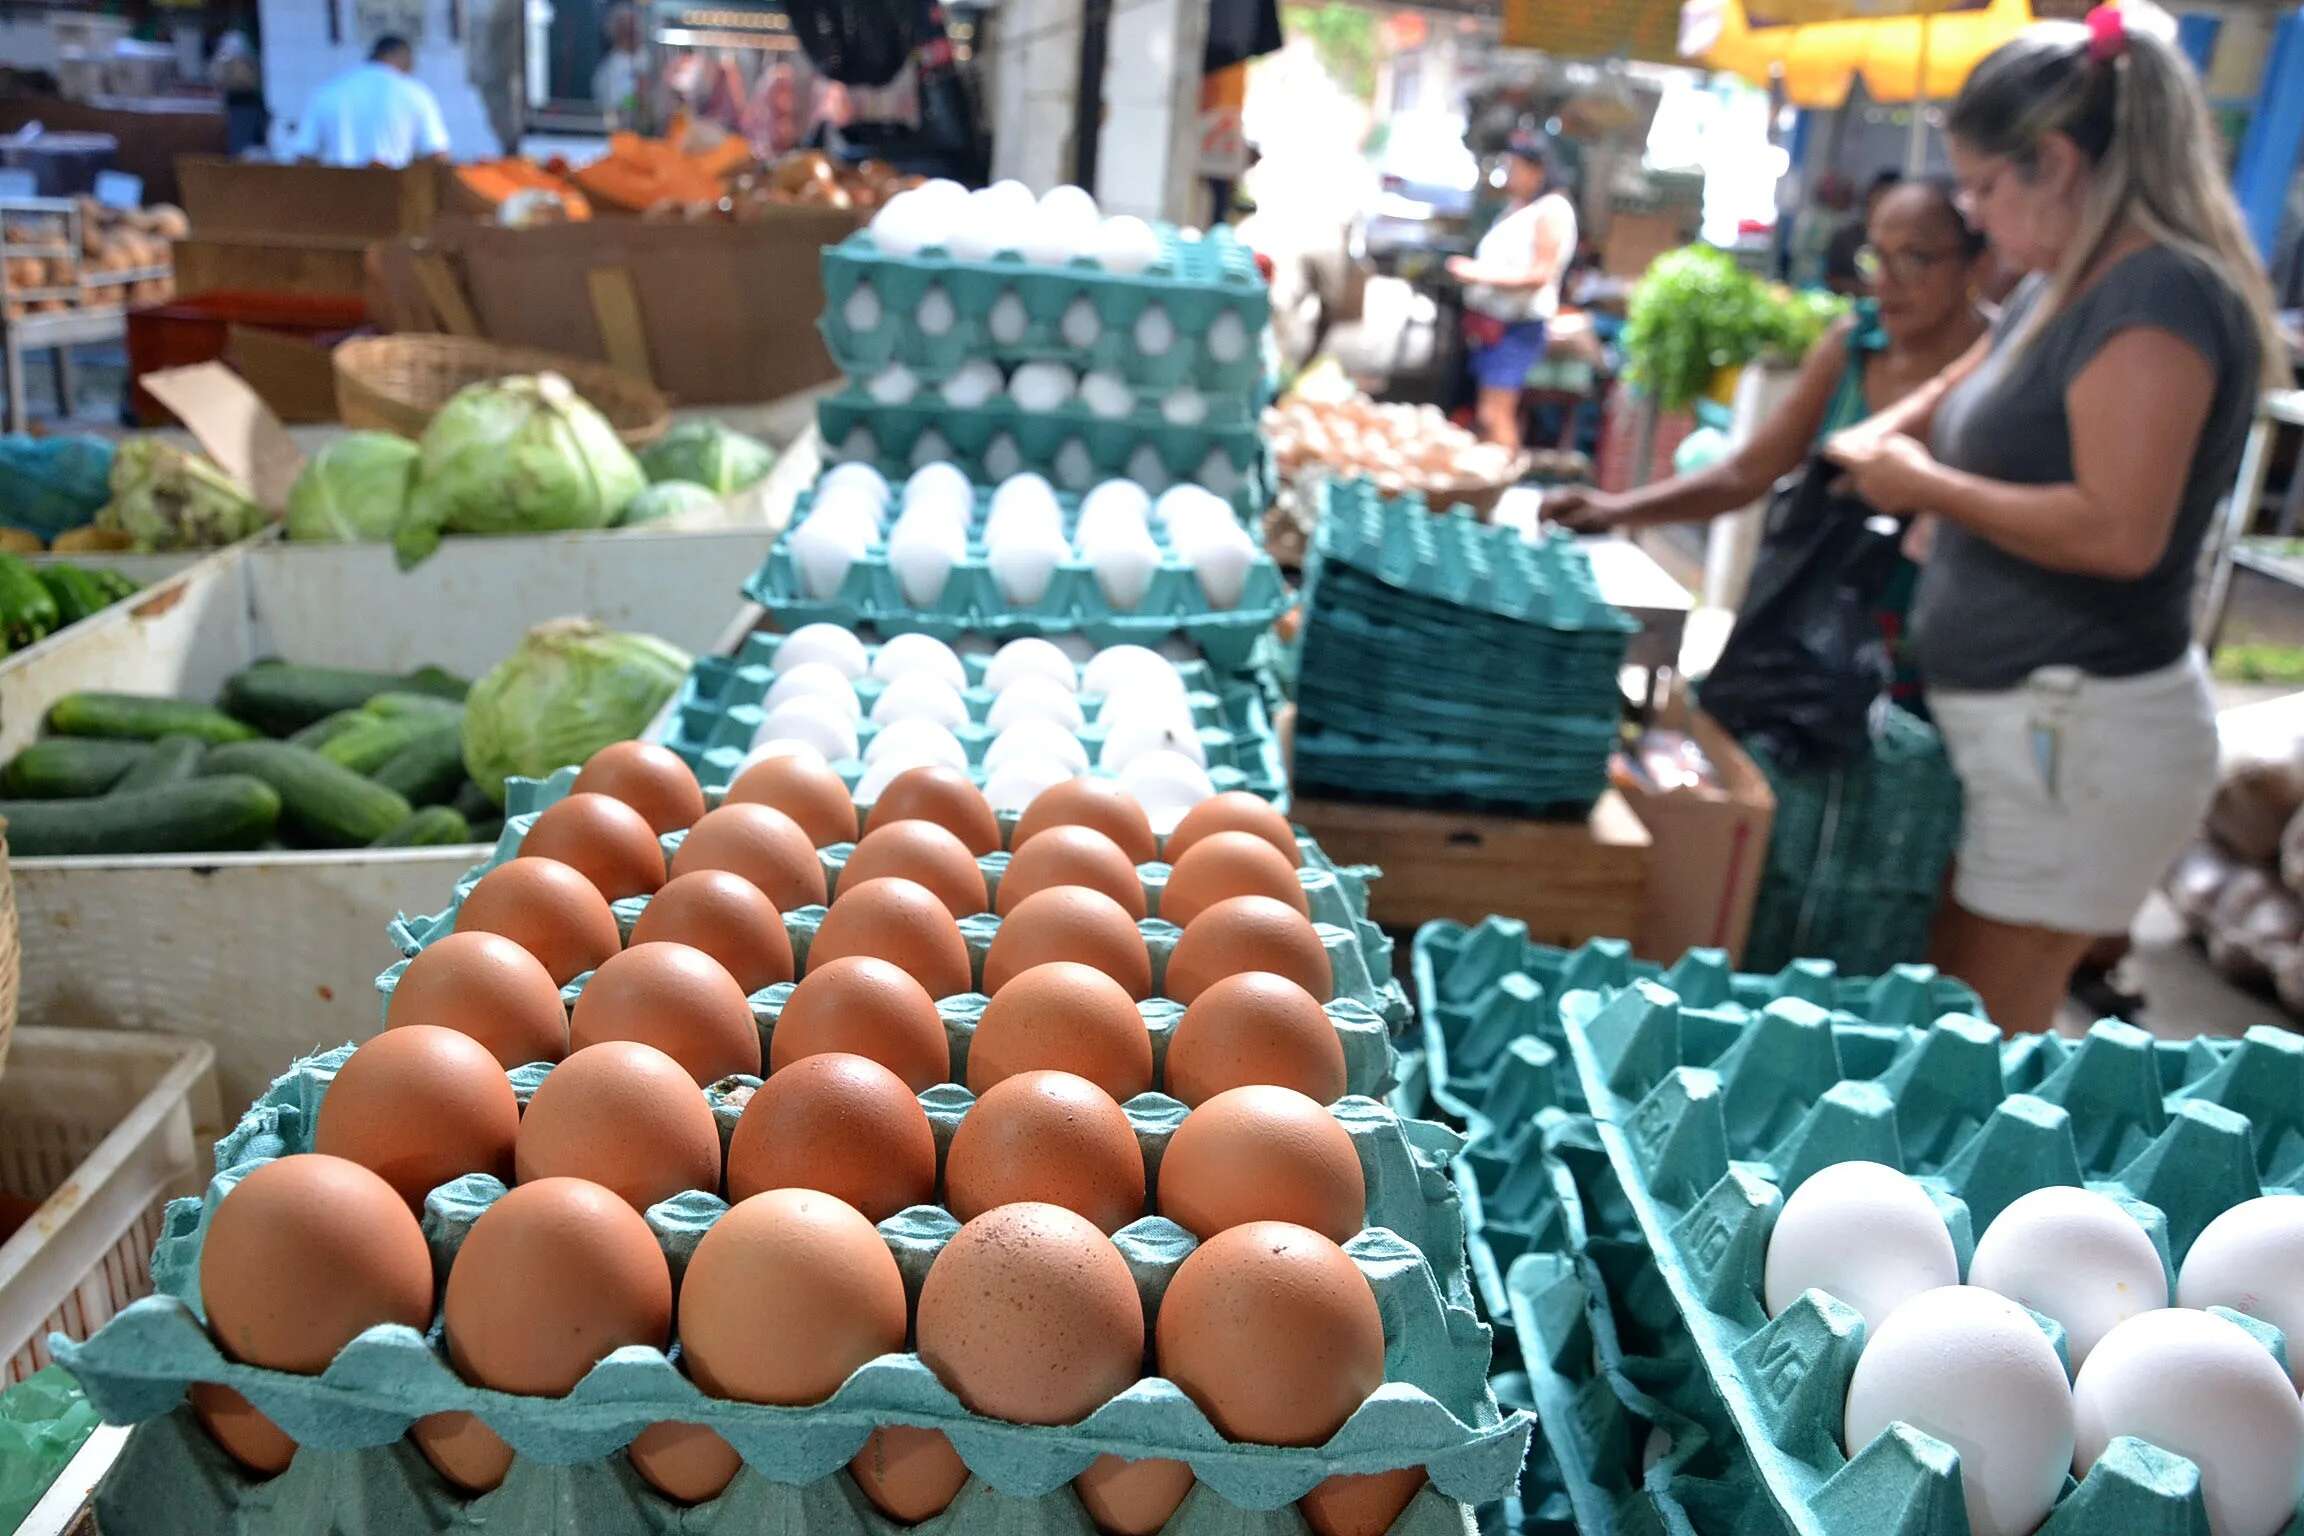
{"points": [[354, 490], [164, 497], [718, 458], [518, 455], [668, 499], [571, 688]]}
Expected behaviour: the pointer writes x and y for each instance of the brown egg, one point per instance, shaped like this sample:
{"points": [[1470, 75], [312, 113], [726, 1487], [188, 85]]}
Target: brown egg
{"points": [[943, 795], [484, 985], [649, 778], [1046, 1136], [1067, 1017], [1254, 1027], [1273, 1332], [866, 1007], [726, 916], [1132, 1498], [1070, 922], [804, 789], [1249, 933], [1360, 1504], [607, 842], [686, 1463], [625, 1116], [677, 999], [1262, 1154], [302, 1256], [420, 1105], [763, 845], [841, 1124], [900, 921], [547, 908], [1098, 803], [1030, 1315], [1227, 864], [1071, 855], [1235, 810], [552, 1279], [909, 1474], [921, 851]]}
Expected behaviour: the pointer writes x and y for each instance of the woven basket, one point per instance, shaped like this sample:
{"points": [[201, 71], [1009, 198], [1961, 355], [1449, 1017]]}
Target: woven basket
{"points": [[396, 383], [11, 955]]}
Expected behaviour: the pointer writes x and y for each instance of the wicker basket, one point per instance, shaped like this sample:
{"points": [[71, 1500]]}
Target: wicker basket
{"points": [[11, 956], [396, 383]]}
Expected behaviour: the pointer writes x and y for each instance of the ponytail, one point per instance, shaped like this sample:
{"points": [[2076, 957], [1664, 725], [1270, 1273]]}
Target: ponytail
{"points": [[2131, 103]]}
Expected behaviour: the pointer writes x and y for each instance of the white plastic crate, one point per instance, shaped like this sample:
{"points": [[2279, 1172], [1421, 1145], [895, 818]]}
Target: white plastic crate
{"points": [[104, 1128]]}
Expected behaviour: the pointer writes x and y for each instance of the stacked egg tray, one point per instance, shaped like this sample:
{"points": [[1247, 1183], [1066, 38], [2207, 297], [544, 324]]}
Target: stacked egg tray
{"points": [[1707, 1127], [1443, 659], [1072, 446], [1435, 1409], [1194, 282], [1074, 604]]}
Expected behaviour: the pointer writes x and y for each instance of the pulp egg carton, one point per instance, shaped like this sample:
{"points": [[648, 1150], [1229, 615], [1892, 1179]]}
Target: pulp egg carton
{"points": [[969, 598], [1369, 1006], [1435, 1409], [1078, 389], [719, 711], [1073, 447], [1708, 1130], [1197, 313]]}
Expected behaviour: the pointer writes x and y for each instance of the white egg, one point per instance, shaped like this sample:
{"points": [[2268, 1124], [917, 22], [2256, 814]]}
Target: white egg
{"points": [[1183, 508], [1124, 244], [1221, 562], [1074, 466], [1167, 785], [942, 190], [938, 483], [2073, 1255], [1036, 739], [1155, 331], [1041, 387], [1152, 730], [1126, 492], [824, 551], [1030, 656], [933, 517], [893, 385], [1124, 564], [905, 225], [1073, 205], [1036, 696], [920, 696], [2197, 1385], [1080, 325], [1184, 406], [849, 510], [783, 746], [1121, 669], [2251, 1259], [930, 447], [862, 480], [935, 313], [831, 644], [1047, 242], [1227, 339], [1023, 491], [1009, 198], [1147, 469], [902, 655], [1007, 320], [922, 555], [883, 770], [1020, 781], [1023, 561], [1002, 458], [1104, 519], [1863, 1232], [861, 309], [913, 742], [1024, 517], [1106, 395], [819, 722], [976, 382], [817, 679], [1219, 474], [978, 230]]}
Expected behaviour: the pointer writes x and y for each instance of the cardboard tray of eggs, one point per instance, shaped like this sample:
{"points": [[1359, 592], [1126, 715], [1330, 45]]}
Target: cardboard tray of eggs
{"points": [[2125, 1217], [1399, 448]]}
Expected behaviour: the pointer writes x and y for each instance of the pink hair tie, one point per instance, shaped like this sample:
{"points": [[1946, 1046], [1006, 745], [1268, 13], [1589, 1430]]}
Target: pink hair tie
{"points": [[2107, 34]]}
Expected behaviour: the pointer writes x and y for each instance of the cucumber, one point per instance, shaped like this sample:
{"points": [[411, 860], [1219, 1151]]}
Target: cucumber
{"points": [[143, 718], [472, 803], [328, 727], [325, 802], [230, 811], [77, 592], [401, 702], [115, 585], [28, 612], [70, 767], [171, 760], [283, 698], [437, 680], [430, 769], [378, 739], [435, 826]]}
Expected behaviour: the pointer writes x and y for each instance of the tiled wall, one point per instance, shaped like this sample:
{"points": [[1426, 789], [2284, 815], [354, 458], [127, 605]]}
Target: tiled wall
{"points": [[298, 57]]}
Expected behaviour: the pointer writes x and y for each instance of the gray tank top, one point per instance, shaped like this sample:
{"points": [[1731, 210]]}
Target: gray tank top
{"points": [[1986, 619]]}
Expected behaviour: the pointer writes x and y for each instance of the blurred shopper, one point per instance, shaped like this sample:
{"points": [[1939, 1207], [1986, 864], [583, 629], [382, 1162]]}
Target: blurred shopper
{"points": [[2072, 462], [376, 113], [1842, 272], [619, 83], [1512, 286]]}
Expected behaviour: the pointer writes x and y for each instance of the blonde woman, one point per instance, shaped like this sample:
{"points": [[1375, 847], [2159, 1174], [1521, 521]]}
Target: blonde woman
{"points": [[2073, 460]]}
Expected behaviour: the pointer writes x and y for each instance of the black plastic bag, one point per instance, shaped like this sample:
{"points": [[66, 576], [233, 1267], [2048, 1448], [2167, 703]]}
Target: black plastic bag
{"points": [[1808, 659]]}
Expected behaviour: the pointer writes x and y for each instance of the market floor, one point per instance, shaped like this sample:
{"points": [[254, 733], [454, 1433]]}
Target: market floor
{"points": [[2183, 995]]}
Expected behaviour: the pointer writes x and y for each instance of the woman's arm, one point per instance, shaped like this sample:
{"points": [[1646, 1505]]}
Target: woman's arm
{"points": [[1548, 254], [1915, 414], [2136, 414]]}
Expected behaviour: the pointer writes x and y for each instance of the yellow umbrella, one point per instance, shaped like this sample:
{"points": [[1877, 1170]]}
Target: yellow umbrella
{"points": [[1899, 57]]}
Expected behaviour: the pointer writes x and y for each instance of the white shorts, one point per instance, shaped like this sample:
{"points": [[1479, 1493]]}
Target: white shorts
{"points": [[2079, 791]]}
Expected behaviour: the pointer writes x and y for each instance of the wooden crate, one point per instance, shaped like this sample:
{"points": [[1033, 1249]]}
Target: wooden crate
{"points": [[1714, 840], [1568, 880], [312, 264]]}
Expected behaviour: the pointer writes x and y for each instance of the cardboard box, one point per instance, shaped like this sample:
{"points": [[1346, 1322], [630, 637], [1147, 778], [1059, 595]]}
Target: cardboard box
{"points": [[256, 197], [1636, 239], [1711, 842], [309, 264]]}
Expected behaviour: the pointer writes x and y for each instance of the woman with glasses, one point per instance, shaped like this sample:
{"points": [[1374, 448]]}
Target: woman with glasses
{"points": [[2072, 462]]}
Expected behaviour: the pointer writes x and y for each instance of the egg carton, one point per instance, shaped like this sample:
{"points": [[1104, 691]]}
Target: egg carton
{"points": [[1368, 1009], [1144, 409], [718, 710], [1706, 1139], [971, 602], [1435, 1409], [1073, 448], [1196, 284]]}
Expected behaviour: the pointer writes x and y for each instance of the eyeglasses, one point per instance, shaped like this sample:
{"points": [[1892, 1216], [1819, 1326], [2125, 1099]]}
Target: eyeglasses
{"points": [[1872, 263]]}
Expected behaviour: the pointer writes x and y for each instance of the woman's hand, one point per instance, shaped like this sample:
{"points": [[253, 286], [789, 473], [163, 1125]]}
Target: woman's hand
{"points": [[1464, 269], [1890, 471], [1580, 509]]}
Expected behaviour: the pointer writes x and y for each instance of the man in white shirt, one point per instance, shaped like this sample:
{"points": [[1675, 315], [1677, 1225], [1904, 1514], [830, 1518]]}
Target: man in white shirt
{"points": [[375, 114]]}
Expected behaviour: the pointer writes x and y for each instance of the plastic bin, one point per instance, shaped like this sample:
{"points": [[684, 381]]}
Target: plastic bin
{"points": [[103, 1128]]}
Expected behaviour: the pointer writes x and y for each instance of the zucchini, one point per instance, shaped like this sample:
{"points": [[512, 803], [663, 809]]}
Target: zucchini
{"points": [[283, 698], [377, 739], [142, 717], [430, 769], [28, 611], [325, 802], [230, 811], [435, 826], [70, 767], [328, 727], [77, 592], [402, 702], [170, 760]]}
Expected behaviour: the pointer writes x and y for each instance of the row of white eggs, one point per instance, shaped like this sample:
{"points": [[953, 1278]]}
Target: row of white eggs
{"points": [[1968, 1364], [1052, 230], [1037, 387], [1023, 535], [1072, 467], [1151, 743], [1008, 322]]}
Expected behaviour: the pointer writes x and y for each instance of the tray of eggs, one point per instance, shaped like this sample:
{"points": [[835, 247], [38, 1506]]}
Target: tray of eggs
{"points": [[1019, 721], [1973, 1284]]}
